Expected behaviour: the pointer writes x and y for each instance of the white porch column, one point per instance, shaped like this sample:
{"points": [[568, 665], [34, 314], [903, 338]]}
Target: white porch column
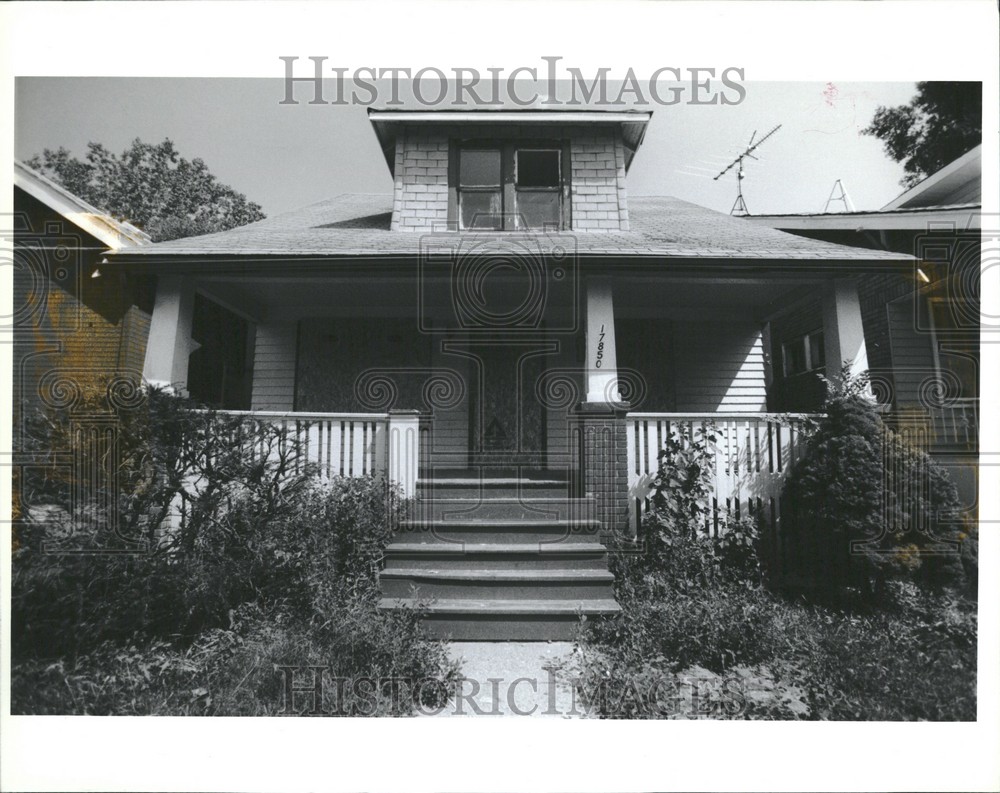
{"points": [[170, 343], [843, 333], [602, 358]]}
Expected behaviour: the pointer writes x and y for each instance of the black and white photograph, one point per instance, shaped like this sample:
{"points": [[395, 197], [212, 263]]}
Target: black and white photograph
{"points": [[585, 370]]}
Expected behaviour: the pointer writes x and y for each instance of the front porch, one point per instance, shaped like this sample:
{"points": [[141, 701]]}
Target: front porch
{"points": [[522, 410], [412, 374]]}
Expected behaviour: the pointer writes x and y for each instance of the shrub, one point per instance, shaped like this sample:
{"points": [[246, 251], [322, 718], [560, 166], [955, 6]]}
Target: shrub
{"points": [[76, 586], [857, 519], [271, 566], [696, 617], [675, 551], [243, 670]]}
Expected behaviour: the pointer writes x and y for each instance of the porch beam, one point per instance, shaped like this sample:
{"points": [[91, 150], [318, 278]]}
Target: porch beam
{"points": [[170, 343]]}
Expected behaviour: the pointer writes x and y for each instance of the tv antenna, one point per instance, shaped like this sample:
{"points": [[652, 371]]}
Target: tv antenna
{"points": [[740, 207]]}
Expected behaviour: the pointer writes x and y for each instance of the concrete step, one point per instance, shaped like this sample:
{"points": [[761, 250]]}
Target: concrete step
{"points": [[524, 530], [492, 488], [506, 620], [512, 556], [478, 583], [494, 482], [432, 506]]}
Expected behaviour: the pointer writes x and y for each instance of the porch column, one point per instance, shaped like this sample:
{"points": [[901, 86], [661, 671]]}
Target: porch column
{"points": [[602, 359], [843, 332], [170, 343], [603, 447]]}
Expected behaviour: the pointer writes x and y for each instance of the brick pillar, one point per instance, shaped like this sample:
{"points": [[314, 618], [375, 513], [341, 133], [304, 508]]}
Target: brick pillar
{"points": [[604, 461]]}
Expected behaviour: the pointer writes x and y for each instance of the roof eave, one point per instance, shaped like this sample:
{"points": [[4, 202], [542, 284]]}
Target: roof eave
{"points": [[114, 234], [632, 123]]}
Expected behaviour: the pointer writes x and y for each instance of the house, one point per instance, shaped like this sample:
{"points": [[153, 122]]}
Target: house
{"points": [[921, 324], [77, 324], [78, 332], [509, 337]]}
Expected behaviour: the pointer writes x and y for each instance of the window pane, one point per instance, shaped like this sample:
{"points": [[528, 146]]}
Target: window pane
{"points": [[538, 210], [481, 210], [480, 167], [794, 355], [817, 357], [537, 168]]}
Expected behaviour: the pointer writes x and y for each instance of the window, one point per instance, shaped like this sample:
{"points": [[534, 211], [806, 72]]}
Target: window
{"points": [[508, 187], [803, 354], [481, 189]]}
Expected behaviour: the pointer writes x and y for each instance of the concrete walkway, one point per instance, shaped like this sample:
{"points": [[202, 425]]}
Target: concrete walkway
{"points": [[513, 679]]}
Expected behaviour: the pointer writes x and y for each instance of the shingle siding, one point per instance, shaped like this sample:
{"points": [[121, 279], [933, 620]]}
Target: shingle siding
{"points": [[597, 166], [420, 188]]}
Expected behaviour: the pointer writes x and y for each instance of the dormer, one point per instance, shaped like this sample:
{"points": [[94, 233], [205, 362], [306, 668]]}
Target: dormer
{"points": [[509, 170]]}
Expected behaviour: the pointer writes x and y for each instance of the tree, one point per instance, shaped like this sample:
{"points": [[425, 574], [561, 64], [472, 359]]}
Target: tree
{"points": [[152, 187], [941, 123]]}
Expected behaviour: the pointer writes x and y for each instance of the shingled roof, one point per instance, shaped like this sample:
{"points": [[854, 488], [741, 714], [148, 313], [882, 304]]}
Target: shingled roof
{"points": [[357, 226]]}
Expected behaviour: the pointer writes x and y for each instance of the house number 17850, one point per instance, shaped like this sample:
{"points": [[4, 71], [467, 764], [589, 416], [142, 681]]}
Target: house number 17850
{"points": [[600, 349]]}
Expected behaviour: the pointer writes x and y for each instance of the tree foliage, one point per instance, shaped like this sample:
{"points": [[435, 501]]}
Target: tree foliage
{"points": [[152, 187], [940, 124]]}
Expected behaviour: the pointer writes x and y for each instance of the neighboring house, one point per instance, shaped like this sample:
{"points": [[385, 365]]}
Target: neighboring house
{"points": [[922, 324], [510, 337], [77, 325]]}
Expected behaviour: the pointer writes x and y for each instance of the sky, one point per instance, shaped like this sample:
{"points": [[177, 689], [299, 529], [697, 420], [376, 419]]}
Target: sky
{"points": [[288, 156]]}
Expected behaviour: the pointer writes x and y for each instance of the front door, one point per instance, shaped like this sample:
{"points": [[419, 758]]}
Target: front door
{"points": [[506, 416]]}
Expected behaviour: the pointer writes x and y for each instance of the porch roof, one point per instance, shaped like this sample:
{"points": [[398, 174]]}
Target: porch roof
{"points": [[357, 226]]}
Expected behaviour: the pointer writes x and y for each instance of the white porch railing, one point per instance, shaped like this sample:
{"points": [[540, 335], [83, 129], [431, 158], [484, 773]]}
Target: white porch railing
{"points": [[352, 444], [339, 444], [753, 454]]}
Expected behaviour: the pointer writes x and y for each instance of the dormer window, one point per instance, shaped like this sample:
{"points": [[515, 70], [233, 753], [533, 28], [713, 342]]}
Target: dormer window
{"points": [[510, 186]]}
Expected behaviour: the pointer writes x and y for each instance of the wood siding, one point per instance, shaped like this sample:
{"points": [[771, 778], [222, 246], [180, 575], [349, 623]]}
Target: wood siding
{"points": [[912, 352], [274, 366], [720, 367]]}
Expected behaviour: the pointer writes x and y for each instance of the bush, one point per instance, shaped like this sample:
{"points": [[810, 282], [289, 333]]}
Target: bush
{"points": [[699, 636], [676, 552], [362, 655], [859, 521], [271, 565]]}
